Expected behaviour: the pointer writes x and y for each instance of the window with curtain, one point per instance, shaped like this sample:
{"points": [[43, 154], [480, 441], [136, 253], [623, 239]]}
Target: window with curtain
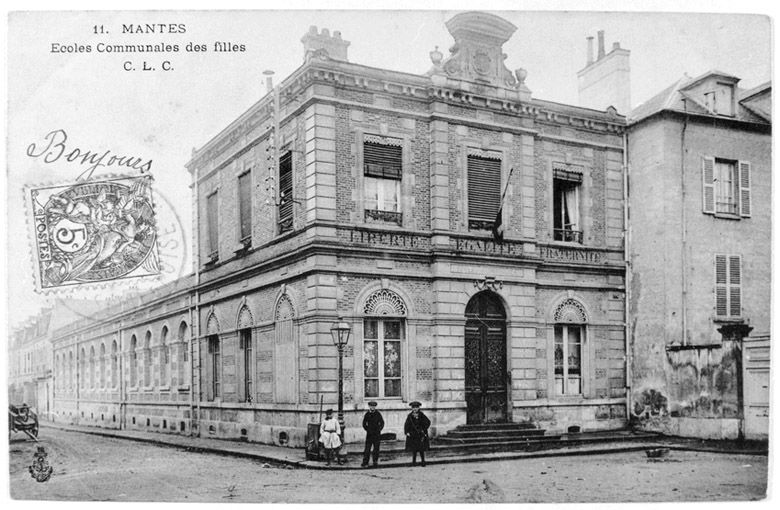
{"points": [[382, 171], [568, 359], [566, 205], [382, 357]]}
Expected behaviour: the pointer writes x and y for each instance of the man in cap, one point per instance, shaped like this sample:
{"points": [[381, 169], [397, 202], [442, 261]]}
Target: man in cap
{"points": [[373, 425], [416, 430]]}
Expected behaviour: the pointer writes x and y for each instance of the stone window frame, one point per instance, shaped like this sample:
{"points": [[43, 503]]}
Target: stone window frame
{"points": [[583, 166], [586, 365], [406, 196], [472, 147], [242, 170], [284, 297], [359, 329]]}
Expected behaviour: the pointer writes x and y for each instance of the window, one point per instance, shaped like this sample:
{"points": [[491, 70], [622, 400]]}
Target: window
{"points": [[214, 366], [382, 357], [212, 224], [92, 367], [182, 356], [114, 365], [383, 169], [133, 361], [568, 359], [728, 286], [148, 360], [566, 205], [484, 191], [164, 357], [285, 193], [245, 344], [103, 365], [726, 187], [245, 207], [721, 100], [82, 369]]}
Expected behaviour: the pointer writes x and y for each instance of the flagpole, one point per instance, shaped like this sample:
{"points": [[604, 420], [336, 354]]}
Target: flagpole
{"points": [[506, 187]]}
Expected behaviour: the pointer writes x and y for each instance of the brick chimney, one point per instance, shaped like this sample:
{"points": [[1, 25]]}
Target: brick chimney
{"points": [[605, 81], [322, 44]]}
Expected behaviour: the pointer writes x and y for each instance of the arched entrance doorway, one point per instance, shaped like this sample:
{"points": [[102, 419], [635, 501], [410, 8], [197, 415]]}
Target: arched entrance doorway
{"points": [[485, 363]]}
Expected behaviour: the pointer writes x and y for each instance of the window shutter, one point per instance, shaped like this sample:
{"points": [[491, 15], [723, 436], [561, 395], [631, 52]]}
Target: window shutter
{"points": [[721, 284], [708, 185], [735, 286], [382, 161], [212, 223], [484, 188], [245, 204], [744, 189], [285, 192]]}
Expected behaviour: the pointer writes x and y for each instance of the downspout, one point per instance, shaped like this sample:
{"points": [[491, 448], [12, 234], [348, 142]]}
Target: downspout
{"points": [[627, 260], [683, 243]]}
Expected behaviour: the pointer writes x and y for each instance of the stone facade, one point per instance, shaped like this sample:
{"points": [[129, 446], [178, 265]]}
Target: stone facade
{"points": [[259, 310], [686, 351]]}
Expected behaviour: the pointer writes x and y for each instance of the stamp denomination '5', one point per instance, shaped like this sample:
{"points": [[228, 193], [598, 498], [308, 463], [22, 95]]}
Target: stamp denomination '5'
{"points": [[94, 232]]}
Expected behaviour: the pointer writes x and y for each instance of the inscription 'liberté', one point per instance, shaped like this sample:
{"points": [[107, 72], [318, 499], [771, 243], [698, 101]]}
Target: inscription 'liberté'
{"points": [[386, 239]]}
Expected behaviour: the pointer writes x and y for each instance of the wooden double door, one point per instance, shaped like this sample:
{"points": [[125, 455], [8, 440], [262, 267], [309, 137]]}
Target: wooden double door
{"points": [[486, 359]]}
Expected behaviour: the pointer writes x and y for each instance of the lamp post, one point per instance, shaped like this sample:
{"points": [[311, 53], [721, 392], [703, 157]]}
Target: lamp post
{"points": [[340, 332]]}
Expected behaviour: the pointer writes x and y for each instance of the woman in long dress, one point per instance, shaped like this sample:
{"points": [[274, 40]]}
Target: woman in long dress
{"points": [[330, 432]]}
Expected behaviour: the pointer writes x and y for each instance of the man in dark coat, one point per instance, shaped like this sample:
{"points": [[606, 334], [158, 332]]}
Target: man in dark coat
{"points": [[373, 425], [416, 430]]}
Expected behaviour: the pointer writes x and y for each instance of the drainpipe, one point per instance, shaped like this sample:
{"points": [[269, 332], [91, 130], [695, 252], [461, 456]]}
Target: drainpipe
{"points": [[195, 310], [683, 244], [627, 260]]}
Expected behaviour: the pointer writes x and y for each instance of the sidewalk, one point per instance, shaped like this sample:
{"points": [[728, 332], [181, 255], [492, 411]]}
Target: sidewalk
{"points": [[393, 455]]}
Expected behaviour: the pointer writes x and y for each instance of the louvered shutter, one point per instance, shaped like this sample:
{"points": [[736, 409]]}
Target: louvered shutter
{"points": [[484, 188], [735, 286], [744, 189], [285, 192], [708, 185], [721, 286], [382, 161]]}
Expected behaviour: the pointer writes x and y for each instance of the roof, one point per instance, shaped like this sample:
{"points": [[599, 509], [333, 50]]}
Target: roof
{"points": [[676, 98]]}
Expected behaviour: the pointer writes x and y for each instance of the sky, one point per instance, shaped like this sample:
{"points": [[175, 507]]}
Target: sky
{"points": [[163, 115]]}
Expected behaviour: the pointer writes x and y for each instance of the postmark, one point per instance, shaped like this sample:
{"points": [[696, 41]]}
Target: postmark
{"points": [[93, 232]]}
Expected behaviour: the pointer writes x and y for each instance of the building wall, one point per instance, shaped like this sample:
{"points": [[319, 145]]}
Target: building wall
{"points": [[696, 389]]}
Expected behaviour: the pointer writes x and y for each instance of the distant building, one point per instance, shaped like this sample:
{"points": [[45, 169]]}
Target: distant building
{"points": [[470, 234], [700, 258], [606, 79]]}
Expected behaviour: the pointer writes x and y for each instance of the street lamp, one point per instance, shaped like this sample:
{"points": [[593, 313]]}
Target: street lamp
{"points": [[340, 332]]}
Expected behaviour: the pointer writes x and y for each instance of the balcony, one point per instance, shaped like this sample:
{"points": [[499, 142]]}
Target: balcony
{"points": [[377, 215], [567, 235], [480, 224]]}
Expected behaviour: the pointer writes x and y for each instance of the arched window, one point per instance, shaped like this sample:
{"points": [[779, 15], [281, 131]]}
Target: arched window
{"points": [[57, 374], [383, 334], [164, 357], [114, 365], [214, 366], [70, 371], [148, 359], [182, 355], [570, 320], [102, 365], [246, 357], [133, 361], [92, 366], [285, 352]]}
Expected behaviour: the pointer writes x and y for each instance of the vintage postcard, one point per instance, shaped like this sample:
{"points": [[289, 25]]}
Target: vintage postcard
{"points": [[474, 255]]}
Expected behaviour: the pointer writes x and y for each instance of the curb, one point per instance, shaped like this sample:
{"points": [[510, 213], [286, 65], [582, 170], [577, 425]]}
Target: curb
{"points": [[307, 464]]}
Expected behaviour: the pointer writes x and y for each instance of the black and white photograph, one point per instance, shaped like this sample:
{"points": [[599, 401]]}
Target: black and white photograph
{"points": [[478, 253]]}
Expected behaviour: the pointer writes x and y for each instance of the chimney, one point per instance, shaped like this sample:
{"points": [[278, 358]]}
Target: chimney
{"points": [[606, 81], [601, 45], [590, 50], [323, 45], [269, 81]]}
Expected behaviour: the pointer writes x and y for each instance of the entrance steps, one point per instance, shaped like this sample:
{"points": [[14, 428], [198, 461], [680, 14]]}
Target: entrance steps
{"points": [[504, 437]]}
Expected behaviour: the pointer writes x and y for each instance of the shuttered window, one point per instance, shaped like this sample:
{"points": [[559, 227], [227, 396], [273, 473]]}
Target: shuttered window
{"points": [[726, 187], [285, 193], [728, 286], [245, 206], [383, 161], [212, 224], [484, 191]]}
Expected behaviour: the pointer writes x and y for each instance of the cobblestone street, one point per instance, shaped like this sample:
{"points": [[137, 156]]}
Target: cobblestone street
{"points": [[88, 467]]}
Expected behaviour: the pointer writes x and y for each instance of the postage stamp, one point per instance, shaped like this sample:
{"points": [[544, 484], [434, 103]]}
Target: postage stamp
{"points": [[96, 231]]}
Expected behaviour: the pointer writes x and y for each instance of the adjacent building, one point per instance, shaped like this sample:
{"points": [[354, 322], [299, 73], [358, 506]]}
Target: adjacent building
{"points": [[700, 258], [470, 234]]}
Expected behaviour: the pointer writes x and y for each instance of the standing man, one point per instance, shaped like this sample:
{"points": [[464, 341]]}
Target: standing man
{"points": [[373, 425], [416, 430]]}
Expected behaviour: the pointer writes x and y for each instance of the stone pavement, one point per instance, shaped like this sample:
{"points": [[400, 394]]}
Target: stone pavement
{"points": [[392, 454]]}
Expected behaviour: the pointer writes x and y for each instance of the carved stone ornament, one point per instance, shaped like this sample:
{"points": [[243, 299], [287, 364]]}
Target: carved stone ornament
{"points": [[489, 283], [570, 311], [384, 302]]}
